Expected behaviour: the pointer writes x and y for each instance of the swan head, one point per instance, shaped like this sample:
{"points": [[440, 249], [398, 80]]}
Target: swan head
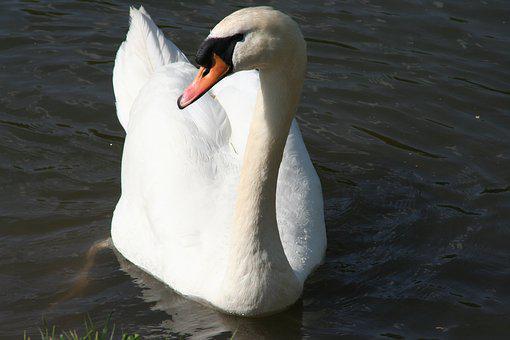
{"points": [[251, 38]]}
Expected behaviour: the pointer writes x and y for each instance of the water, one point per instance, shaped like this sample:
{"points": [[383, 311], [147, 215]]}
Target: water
{"points": [[406, 115]]}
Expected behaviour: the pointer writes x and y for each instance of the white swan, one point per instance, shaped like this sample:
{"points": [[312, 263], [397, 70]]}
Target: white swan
{"points": [[220, 199]]}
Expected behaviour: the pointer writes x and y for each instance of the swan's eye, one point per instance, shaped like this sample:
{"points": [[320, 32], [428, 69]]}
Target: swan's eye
{"points": [[223, 47]]}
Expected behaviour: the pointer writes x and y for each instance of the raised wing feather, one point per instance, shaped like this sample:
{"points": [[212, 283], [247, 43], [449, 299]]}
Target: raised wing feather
{"points": [[143, 52]]}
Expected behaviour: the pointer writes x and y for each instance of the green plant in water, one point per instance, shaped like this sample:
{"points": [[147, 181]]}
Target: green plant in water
{"points": [[92, 332]]}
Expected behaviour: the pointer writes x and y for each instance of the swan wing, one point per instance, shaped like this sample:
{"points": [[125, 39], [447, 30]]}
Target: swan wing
{"points": [[178, 170], [144, 50], [178, 185]]}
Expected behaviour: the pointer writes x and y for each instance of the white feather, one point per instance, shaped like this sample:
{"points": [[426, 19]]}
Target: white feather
{"points": [[144, 51]]}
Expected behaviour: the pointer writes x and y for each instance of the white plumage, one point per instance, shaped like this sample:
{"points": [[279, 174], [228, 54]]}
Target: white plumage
{"points": [[181, 170]]}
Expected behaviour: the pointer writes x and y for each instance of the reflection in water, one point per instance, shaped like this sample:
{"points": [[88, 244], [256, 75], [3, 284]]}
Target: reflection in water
{"points": [[187, 317]]}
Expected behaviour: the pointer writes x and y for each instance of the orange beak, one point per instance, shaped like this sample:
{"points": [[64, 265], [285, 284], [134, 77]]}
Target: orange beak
{"points": [[205, 79]]}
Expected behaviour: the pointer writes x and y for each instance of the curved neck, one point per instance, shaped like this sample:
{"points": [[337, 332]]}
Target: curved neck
{"points": [[257, 257], [256, 201]]}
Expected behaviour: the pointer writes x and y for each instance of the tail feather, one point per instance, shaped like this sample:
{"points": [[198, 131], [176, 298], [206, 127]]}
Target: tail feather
{"points": [[144, 50]]}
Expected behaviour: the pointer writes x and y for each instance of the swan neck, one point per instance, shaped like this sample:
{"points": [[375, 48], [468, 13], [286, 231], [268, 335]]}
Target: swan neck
{"points": [[277, 101], [258, 267], [256, 201]]}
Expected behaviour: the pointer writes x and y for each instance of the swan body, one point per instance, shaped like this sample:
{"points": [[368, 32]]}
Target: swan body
{"points": [[220, 199]]}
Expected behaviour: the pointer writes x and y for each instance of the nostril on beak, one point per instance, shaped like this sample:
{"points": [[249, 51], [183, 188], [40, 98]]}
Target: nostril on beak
{"points": [[206, 72]]}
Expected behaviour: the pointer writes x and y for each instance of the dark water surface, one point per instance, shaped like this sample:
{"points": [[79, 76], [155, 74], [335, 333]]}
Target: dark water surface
{"points": [[406, 114]]}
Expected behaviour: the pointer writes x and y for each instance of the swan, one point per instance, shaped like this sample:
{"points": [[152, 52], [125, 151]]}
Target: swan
{"points": [[220, 200]]}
